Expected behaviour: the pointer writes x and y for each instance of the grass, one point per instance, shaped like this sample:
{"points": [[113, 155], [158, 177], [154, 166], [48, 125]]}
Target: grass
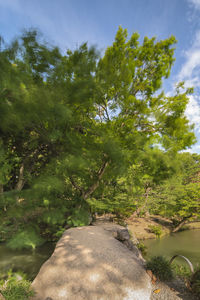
{"points": [[157, 230], [15, 286], [141, 246]]}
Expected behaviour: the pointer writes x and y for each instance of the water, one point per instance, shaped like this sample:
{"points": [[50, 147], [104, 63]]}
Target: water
{"points": [[185, 243], [25, 260]]}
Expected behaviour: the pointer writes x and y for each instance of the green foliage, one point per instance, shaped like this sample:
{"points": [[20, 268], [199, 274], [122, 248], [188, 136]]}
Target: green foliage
{"points": [[27, 238], [156, 229], [79, 217], [182, 271], [160, 268], [60, 232], [80, 130], [16, 287], [53, 217], [178, 197], [141, 246], [6, 230]]}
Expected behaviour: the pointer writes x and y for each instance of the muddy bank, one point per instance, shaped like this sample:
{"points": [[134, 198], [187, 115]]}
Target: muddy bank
{"points": [[142, 227]]}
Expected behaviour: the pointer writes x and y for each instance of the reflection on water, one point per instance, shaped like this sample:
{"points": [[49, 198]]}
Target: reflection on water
{"points": [[185, 243], [24, 260]]}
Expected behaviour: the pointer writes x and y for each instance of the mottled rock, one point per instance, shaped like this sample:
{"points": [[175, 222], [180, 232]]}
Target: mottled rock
{"points": [[89, 263], [123, 235]]}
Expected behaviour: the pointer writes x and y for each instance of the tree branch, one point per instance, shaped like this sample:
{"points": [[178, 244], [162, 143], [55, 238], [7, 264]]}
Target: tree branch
{"points": [[104, 108], [181, 223], [75, 185], [93, 187]]}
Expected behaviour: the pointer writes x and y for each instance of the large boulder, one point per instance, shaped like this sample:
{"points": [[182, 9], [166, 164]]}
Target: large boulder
{"points": [[90, 263]]}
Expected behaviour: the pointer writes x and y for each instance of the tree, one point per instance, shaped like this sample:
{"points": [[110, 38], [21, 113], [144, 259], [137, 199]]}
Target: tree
{"points": [[178, 197], [130, 192], [72, 122]]}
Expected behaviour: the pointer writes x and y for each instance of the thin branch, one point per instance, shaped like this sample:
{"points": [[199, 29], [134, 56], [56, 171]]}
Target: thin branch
{"points": [[75, 185], [105, 109], [94, 186], [106, 112]]}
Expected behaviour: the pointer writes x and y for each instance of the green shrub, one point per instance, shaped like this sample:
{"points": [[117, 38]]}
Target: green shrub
{"points": [[16, 287], [27, 238], [157, 230], [160, 267], [142, 248], [60, 232], [79, 217], [195, 283]]}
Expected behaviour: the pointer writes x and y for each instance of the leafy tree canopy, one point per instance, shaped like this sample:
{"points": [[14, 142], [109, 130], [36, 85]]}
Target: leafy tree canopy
{"points": [[72, 122], [178, 197]]}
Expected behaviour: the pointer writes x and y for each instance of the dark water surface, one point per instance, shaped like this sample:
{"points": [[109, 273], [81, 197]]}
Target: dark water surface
{"points": [[25, 260], [185, 243]]}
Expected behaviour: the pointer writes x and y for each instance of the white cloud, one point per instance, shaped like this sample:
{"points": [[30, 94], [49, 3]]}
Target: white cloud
{"points": [[193, 112], [191, 68], [193, 149], [195, 3], [192, 64], [190, 73], [192, 82]]}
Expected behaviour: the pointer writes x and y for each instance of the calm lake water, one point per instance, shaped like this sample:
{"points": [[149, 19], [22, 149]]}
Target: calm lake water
{"points": [[27, 261], [185, 243]]}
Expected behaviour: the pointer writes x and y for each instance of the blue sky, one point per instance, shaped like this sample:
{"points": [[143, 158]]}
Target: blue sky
{"points": [[68, 23]]}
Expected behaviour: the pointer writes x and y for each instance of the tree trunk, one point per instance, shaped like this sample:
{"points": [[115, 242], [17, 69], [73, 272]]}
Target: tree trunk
{"points": [[177, 228], [181, 224], [20, 183], [4, 208], [94, 186], [147, 191], [1, 188]]}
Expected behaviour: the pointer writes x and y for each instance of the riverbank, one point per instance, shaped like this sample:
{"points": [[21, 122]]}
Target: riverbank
{"points": [[175, 289], [142, 228]]}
